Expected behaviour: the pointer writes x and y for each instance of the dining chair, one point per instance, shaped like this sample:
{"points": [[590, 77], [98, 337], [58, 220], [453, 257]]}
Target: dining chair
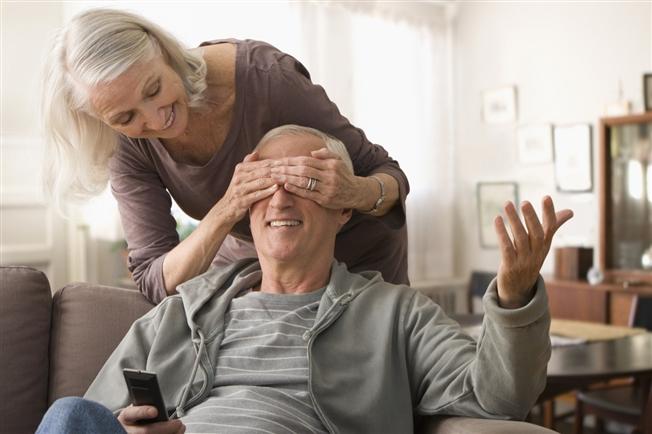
{"points": [[478, 284], [631, 403]]}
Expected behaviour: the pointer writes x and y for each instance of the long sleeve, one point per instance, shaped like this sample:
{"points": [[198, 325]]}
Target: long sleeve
{"points": [[302, 102], [500, 377], [149, 227]]}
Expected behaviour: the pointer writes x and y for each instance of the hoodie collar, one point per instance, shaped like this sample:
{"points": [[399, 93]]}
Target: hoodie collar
{"points": [[214, 290], [344, 286]]}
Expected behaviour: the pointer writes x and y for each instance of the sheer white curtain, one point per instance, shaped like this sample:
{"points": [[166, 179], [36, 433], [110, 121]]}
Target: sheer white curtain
{"points": [[388, 71]]}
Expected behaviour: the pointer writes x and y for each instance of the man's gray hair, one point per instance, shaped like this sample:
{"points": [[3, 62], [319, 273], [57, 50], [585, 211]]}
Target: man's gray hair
{"points": [[331, 143]]}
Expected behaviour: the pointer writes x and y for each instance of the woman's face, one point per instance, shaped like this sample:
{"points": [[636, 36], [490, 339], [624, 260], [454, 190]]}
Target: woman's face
{"points": [[146, 101]]}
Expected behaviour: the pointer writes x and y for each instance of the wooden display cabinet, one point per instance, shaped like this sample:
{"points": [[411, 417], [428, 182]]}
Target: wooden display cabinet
{"points": [[625, 204], [625, 198], [608, 303]]}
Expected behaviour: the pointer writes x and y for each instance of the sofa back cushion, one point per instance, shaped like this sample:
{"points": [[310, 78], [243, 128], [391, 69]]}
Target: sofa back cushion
{"points": [[88, 322], [25, 302]]}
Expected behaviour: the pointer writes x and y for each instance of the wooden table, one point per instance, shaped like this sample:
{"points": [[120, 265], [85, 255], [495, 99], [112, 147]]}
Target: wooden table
{"points": [[597, 361], [578, 366]]}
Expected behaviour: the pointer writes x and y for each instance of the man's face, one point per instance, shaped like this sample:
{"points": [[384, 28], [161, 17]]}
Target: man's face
{"points": [[287, 228]]}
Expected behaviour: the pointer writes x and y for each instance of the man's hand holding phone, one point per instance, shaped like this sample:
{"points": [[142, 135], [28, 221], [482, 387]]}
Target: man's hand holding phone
{"points": [[142, 416], [131, 418]]}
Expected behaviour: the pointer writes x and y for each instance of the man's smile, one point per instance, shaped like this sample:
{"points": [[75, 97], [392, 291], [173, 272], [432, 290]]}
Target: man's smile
{"points": [[284, 223]]}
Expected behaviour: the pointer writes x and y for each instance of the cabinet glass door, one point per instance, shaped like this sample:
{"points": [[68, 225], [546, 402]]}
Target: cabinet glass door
{"points": [[629, 237]]}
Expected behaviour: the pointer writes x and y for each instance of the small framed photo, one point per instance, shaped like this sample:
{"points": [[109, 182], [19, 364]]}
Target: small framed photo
{"points": [[491, 198], [573, 158], [534, 143], [647, 91], [499, 105]]}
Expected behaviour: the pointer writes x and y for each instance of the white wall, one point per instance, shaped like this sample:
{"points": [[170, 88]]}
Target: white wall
{"points": [[566, 60], [26, 32], [30, 233]]}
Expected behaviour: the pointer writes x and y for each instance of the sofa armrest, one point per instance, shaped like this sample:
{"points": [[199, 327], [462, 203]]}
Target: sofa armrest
{"points": [[465, 425], [88, 322], [25, 302]]}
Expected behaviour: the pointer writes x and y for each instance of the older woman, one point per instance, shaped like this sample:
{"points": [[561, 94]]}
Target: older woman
{"points": [[123, 100]]}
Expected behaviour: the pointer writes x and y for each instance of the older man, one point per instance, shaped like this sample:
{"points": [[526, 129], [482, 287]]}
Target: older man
{"points": [[296, 343]]}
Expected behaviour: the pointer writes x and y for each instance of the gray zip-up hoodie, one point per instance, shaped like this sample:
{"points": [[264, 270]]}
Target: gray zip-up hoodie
{"points": [[377, 352]]}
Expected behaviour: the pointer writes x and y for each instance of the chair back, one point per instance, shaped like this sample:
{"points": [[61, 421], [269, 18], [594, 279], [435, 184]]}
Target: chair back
{"points": [[478, 284], [641, 313]]}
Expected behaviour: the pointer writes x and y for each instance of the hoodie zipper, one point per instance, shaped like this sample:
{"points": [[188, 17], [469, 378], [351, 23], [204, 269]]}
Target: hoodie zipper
{"points": [[204, 386], [310, 335]]}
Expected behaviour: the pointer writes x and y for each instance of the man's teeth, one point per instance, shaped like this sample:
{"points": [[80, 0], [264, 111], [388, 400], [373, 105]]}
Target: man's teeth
{"points": [[277, 223]]}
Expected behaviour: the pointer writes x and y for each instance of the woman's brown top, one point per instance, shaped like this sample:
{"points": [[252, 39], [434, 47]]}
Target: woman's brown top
{"points": [[272, 89]]}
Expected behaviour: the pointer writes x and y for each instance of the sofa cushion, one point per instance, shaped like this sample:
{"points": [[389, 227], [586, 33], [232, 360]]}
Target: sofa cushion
{"points": [[25, 302], [88, 322]]}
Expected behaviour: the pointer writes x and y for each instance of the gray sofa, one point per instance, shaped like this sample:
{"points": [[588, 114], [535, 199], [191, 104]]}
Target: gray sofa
{"points": [[53, 346]]}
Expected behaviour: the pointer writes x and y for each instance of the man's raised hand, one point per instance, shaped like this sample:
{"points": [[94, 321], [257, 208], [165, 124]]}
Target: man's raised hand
{"points": [[522, 257]]}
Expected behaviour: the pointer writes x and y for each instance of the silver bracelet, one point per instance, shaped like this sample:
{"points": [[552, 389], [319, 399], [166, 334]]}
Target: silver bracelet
{"points": [[381, 199]]}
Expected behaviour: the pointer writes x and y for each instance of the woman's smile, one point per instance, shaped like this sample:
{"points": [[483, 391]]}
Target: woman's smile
{"points": [[170, 119]]}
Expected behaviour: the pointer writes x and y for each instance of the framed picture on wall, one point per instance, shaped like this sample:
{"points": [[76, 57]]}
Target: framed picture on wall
{"points": [[573, 158], [534, 143], [647, 92], [499, 105], [491, 198]]}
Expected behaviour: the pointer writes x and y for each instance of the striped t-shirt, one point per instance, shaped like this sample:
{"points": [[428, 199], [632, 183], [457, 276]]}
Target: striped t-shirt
{"points": [[261, 379]]}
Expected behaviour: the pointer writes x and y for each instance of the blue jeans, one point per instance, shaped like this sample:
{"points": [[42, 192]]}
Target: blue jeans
{"points": [[78, 415]]}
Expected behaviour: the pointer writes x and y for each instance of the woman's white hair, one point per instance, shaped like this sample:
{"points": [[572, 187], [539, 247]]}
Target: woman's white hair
{"points": [[97, 46], [332, 144]]}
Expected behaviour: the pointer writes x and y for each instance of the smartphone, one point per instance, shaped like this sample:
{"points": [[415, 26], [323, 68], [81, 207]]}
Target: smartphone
{"points": [[144, 390]]}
